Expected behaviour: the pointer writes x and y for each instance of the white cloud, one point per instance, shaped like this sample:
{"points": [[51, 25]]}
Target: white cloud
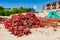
{"points": [[35, 6]]}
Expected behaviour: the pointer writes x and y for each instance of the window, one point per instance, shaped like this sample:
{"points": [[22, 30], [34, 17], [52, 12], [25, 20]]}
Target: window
{"points": [[48, 8], [54, 5], [48, 4], [59, 4]]}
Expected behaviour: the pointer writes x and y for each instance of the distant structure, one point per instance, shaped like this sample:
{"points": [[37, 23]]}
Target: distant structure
{"points": [[53, 6]]}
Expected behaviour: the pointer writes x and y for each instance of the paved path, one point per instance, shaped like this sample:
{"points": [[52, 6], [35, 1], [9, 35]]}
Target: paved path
{"points": [[37, 34]]}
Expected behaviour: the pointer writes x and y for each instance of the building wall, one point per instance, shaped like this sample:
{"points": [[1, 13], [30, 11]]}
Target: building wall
{"points": [[52, 6]]}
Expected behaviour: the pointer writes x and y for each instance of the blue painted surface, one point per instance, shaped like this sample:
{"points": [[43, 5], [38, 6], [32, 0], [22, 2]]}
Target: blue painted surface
{"points": [[53, 14]]}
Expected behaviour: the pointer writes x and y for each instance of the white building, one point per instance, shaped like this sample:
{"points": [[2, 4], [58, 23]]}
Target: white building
{"points": [[51, 6]]}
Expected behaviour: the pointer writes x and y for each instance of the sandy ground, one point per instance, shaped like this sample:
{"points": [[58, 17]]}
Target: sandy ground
{"points": [[37, 34]]}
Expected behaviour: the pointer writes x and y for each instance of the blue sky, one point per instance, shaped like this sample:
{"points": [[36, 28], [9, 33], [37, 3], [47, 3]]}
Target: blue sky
{"points": [[37, 4]]}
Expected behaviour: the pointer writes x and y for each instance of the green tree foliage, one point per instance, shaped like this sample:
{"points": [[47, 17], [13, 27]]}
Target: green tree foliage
{"points": [[2, 12], [15, 11], [6, 13], [24, 10], [12, 12], [30, 10], [1, 8]]}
